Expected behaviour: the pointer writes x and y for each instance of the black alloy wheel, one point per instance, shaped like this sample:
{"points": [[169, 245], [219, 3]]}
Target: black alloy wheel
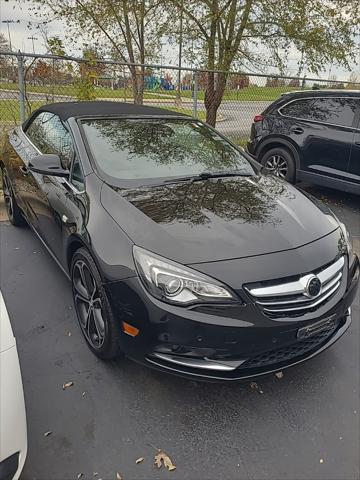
{"points": [[278, 165], [280, 162], [92, 307], [12, 209]]}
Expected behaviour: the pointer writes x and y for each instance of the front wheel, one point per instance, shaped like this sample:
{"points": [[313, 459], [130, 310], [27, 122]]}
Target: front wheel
{"points": [[12, 209], [93, 310], [280, 162]]}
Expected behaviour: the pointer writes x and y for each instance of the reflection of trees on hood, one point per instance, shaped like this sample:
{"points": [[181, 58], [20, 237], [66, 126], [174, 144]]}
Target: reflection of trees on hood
{"points": [[196, 203], [164, 141]]}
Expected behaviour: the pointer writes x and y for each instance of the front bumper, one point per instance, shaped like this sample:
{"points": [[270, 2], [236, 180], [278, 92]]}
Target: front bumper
{"points": [[231, 342], [242, 369]]}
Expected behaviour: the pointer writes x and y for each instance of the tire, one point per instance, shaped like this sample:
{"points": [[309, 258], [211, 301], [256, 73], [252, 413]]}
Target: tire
{"points": [[12, 209], [93, 310], [281, 162]]}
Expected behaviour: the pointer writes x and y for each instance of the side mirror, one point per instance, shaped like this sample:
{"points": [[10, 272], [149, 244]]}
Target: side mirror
{"points": [[48, 164]]}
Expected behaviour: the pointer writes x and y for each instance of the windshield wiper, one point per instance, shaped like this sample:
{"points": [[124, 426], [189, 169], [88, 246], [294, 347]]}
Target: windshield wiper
{"points": [[207, 175]]}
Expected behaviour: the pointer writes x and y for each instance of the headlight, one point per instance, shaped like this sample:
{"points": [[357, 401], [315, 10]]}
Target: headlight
{"points": [[174, 283], [347, 238]]}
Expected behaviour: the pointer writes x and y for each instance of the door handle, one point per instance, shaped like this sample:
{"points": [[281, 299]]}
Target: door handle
{"points": [[24, 170], [297, 130]]}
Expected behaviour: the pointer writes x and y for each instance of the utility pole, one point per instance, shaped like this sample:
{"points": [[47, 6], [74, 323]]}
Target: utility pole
{"points": [[8, 29], [32, 38], [180, 53]]}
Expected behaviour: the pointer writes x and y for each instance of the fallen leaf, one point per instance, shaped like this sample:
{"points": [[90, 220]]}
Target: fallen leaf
{"points": [[95, 474], [67, 385], [255, 386], [118, 476], [80, 475], [46, 434], [321, 460], [69, 334], [162, 459], [279, 375], [139, 460], [83, 394]]}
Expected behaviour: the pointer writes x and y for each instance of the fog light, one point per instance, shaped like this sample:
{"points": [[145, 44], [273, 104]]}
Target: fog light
{"points": [[130, 329]]}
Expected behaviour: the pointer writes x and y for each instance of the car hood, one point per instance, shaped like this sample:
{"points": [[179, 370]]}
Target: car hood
{"points": [[218, 219]]}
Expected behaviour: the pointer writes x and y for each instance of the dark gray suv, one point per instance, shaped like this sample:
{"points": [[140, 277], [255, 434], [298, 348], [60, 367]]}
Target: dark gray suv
{"points": [[312, 135]]}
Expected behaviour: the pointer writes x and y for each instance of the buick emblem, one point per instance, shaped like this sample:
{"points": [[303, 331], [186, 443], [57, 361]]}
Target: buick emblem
{"points": [[313, 287]]}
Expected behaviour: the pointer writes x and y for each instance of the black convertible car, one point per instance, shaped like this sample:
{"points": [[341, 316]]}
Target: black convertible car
{"points": [[183, 254]]}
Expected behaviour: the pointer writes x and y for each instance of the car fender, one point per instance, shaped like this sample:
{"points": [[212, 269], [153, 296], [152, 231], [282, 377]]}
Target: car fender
{"points": [[278, 140]]}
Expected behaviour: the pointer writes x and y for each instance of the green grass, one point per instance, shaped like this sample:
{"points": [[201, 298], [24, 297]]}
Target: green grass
{"points": [[246, 94], [241, 141], [71, 91], [10, 112]]}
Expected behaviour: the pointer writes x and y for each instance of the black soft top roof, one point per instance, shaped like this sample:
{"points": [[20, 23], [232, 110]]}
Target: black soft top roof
{"points": [[66, 110]]}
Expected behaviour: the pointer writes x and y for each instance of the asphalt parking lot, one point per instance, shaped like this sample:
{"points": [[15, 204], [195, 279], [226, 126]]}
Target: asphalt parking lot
{"points": [[302, 426]]}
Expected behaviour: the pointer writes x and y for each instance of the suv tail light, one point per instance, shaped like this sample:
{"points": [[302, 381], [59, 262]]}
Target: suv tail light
{"points": [[258, 118]]}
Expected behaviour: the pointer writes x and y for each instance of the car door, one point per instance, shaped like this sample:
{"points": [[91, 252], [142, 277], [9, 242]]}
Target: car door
{"points": [[77, 203], [354, 164], [324, 128], [46, 197]]}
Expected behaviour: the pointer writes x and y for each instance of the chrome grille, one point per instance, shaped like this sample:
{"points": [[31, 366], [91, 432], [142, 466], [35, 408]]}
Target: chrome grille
{"points": [[291, 298]]}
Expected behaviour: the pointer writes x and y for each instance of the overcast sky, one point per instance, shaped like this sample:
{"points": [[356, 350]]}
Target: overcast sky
{"points": [[20, 33]]}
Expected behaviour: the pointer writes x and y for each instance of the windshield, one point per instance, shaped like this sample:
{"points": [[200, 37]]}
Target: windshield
{"points": [[129, 149]]}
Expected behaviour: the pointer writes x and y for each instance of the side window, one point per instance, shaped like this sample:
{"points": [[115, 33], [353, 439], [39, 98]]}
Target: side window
{"points": [[35, 130], [338, 111], [49, 135], [299, 109], [77, 176]]}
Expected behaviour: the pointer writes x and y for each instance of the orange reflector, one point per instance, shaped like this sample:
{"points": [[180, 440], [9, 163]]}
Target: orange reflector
{"points": [[130, 330]]}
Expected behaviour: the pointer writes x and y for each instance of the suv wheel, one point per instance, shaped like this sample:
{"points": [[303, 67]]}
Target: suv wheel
{"points": [[280, 162]]}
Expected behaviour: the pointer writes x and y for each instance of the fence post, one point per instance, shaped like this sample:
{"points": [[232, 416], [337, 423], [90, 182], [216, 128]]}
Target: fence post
{"points": [[303, 83], [21, 80], [195, 94]]}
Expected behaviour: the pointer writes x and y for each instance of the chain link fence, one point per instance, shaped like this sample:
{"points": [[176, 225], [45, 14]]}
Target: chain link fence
{"points": [[28, 81]]}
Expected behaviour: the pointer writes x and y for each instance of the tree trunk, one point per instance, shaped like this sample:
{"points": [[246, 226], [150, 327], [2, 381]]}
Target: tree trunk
{"points": [[211, 111], [137, 80], [140, 84], [215, 88]]}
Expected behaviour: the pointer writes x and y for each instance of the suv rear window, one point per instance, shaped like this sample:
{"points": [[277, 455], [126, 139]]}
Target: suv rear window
{"points": [[335, 111]]}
